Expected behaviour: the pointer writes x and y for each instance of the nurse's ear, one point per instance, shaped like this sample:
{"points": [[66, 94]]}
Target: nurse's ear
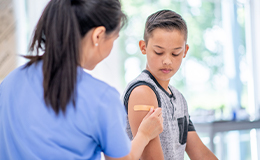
{"points": [[142, 46], [98, 34]]}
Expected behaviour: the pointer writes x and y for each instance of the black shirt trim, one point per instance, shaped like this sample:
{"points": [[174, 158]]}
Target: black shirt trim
{"points": [[158, 84], [133, 86], [191, 126]]}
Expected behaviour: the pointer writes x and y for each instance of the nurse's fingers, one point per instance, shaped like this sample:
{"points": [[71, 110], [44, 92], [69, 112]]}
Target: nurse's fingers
{"points": [[157, 112]]}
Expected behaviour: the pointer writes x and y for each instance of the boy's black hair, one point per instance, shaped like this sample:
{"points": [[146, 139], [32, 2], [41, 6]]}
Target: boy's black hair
{"points": [[58, 34], [165, 19]]}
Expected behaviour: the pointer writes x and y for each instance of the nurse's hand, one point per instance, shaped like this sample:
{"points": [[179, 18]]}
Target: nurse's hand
{"points": [[152, 124], [150, 127]]}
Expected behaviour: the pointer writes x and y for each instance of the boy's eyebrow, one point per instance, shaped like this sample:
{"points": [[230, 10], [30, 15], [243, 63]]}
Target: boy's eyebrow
{"points": [[163, 48], [158, 46]]}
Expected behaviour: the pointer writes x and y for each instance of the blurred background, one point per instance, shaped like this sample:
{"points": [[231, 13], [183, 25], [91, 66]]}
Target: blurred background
{"points": [[220, 77]]}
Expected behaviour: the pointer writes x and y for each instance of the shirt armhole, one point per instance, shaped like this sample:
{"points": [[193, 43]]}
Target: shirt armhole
{"points": [[191, 126], [133, 86]]}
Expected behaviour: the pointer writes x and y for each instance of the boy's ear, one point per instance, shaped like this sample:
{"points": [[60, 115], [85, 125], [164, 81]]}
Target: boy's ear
{"points": [[142, 46], [186, 50], [98, 34]]}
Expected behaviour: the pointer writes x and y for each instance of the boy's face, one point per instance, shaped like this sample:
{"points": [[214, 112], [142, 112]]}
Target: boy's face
{"points": [[165, 50]]}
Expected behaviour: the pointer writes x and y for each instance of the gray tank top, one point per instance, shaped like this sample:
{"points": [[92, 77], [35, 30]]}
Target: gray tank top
{"points": [[176, 121]]}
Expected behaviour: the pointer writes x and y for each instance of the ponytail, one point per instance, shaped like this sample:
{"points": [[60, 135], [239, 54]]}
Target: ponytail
{"points": [[58, 34]]}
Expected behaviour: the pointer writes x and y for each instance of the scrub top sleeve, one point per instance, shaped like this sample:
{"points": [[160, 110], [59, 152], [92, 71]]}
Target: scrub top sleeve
{"points": [[112, 121], [1, 85]]}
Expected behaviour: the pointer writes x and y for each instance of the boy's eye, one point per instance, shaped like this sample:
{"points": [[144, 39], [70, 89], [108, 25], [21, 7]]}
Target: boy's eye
{"points": [[158, 53], [175, 55]]}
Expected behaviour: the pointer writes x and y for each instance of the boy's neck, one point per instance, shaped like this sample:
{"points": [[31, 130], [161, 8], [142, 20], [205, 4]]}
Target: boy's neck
{"points": [[163, 83]]}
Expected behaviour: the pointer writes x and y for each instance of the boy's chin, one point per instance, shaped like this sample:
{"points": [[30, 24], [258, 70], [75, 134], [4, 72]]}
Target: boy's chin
{"points": [[163, 77]]}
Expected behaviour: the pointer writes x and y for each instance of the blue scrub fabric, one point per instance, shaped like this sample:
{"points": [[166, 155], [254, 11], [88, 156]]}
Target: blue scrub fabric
{"points": [[31, 130]]}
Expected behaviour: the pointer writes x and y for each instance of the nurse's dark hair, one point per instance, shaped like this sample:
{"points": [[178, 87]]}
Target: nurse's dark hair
{"points": [[58, 35], [165, 19]]}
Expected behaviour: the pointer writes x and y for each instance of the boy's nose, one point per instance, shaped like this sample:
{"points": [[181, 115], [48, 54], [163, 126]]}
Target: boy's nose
{"points": [[167, 61]]}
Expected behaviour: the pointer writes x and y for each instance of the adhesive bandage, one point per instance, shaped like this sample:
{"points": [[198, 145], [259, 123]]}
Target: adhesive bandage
{"points": [[142, 107]]}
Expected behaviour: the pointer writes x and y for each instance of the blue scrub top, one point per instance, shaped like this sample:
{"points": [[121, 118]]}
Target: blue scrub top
{"points": [[31, 130]]}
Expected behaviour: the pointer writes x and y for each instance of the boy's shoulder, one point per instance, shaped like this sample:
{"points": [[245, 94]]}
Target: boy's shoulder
{"points": [[177, 94], [142, 77], [174, 90]]}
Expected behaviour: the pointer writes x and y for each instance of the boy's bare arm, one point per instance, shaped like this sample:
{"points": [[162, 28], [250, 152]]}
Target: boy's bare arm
{"points": [[143, 95], [196, 149]]}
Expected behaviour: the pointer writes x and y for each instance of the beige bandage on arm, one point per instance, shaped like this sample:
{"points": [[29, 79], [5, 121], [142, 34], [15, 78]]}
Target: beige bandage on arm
{"points": [[142, 107]]}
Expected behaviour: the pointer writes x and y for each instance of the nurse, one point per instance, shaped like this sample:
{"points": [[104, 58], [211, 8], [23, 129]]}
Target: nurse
{"points": [[51, 109]]}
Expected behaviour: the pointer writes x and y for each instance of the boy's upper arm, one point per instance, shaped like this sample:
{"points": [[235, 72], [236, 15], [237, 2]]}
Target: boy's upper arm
{"points": [[144, 95]]}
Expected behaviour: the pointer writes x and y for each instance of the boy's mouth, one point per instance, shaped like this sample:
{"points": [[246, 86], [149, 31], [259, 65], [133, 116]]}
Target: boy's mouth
{"points": [[166, 70]]}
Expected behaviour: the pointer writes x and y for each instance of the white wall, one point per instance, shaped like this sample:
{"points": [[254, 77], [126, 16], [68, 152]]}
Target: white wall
{"points": [[27, 14], [253, 55]]}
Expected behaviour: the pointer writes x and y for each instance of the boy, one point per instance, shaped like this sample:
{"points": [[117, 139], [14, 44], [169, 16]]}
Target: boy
{"points": [[164, 45]]}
